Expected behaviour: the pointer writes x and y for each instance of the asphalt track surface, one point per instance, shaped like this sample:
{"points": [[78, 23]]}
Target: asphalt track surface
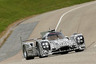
{"points": [[13, 43], [81, 20]]}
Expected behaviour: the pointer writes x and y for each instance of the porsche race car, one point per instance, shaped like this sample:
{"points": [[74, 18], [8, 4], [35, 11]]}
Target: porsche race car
{"points": [[52, 42]]}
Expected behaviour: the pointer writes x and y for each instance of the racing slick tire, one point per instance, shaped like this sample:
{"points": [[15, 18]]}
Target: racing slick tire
{"points": [[64, 52], [78, 50], [25, 54], [42, 56]]}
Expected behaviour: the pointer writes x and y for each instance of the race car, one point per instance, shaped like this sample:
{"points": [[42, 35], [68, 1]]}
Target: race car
{"points": [[52, 42]]}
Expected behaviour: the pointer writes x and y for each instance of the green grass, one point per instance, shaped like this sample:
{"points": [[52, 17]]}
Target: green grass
{"points": [[12, 10]]}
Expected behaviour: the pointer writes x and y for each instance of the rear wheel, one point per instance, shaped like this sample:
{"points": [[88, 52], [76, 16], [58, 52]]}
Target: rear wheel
{"points": [[42, 56]]}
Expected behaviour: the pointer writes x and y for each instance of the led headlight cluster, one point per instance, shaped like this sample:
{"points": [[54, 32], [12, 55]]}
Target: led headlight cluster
{"points": [[45, 45], [80, 39]]}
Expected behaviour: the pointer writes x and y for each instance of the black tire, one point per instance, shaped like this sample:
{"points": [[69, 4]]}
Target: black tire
{"points": [[41, 56], [64, 52], [78, 50], [29, 57], [25, 54]]}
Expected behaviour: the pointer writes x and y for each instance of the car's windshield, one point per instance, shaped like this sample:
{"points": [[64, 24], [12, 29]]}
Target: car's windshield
{"points": [[54, 36]]}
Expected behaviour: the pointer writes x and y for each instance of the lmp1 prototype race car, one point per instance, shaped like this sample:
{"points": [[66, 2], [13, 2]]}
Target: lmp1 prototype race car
{"points": [[52, 42]]}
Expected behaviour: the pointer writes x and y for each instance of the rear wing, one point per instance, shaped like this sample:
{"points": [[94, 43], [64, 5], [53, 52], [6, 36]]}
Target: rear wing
{"points": [[32, 39], [35, 39]]}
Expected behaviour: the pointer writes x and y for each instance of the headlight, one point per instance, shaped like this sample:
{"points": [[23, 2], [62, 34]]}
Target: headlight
{"points": [[80, 37], [78, 41], [81, 40], [45, 45]]}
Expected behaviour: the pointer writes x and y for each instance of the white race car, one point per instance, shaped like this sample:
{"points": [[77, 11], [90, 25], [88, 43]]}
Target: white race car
{"points": [[52, 42]]}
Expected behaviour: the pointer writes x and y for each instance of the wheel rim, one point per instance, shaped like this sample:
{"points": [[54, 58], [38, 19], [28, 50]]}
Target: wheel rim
{"points": [[25, 54]]}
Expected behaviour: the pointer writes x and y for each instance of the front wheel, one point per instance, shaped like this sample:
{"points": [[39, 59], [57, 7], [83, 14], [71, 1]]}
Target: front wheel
{"points": [[42, 56], [78, 50], [64, 52], [25, 54]]}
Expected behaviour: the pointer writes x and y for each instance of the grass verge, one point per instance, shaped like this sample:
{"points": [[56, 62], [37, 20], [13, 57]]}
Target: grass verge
{"points": [[13, 10]]}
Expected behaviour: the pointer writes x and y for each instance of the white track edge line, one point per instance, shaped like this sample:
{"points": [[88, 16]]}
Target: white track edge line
{"points": [[69, 12]]}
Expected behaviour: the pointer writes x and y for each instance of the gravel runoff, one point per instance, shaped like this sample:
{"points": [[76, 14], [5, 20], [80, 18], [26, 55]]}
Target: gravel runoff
{"points": [[13, 44]]}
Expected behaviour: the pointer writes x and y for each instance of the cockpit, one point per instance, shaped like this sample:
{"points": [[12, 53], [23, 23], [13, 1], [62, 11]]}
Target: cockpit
{"points": [[55, 35]]}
